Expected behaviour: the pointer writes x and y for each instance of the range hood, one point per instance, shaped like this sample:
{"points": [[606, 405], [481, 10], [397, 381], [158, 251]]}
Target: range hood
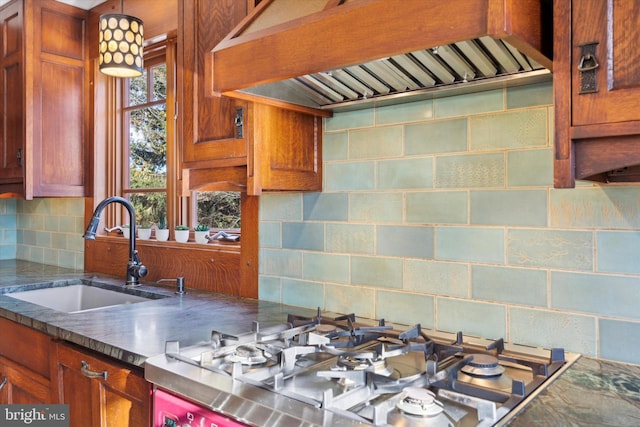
{"points": [[326, 55]]}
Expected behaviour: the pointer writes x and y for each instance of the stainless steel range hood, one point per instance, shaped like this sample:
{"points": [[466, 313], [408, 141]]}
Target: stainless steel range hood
{"points": [[343, 54]]}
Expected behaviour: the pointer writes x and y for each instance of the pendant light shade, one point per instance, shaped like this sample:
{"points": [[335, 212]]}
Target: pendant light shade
{"points": [[121, 38]]}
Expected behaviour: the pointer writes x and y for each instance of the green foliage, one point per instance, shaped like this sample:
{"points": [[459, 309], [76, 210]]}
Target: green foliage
{"points": [[181, 227], [162, 224], [201, 227], [220, 209]]}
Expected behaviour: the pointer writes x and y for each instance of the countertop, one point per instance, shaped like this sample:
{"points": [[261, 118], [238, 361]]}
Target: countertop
{"points": [[590, 393]]}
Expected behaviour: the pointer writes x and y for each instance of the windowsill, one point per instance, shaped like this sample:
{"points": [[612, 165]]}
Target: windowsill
{"points": [[211, 246]]}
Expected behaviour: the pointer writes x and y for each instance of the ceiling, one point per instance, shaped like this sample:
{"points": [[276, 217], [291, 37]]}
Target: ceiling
{"points": [[83, 4]]}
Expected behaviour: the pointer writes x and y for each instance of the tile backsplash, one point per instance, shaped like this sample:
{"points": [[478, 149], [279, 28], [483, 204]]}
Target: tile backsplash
{"points": [[47, 231], [443, 212]]}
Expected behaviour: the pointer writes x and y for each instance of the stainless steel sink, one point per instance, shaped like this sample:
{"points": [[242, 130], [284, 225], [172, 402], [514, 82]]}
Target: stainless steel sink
{"points": [[77, 298]]}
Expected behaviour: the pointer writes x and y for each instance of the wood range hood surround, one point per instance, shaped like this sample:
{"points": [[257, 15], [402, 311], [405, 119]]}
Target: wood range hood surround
{"points": [[282, 41]]}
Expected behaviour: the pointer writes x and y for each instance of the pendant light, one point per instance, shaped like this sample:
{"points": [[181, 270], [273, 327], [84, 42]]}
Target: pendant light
{"points": [[121, 38]]}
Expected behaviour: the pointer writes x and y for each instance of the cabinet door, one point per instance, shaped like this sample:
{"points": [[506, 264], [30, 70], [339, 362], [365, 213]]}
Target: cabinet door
{"points": [[612, 28], [55, 166], [207, 124], [101, 392], [21, 386], [12, 93]]}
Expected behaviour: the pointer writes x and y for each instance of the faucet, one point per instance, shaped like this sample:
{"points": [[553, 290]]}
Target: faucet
{"points": [[135, 269]]}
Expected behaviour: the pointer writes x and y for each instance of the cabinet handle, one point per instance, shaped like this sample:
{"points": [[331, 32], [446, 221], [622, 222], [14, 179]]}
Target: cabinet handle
{"points": [[3, 383], [588, 67], [92, 374]]}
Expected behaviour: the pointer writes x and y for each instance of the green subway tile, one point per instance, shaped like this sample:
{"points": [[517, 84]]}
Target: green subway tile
{"points": [[406, 309], [595, 207], [270, 234], [618, 340], [281, 207], [8, 251], [325, 267], [405, 174], [325, 206], [530, 168], [474, 244], [509, 207], [269, 289], [350, 238], [351, 299], [67, 224], [349, 120], [375, 143], [444, 136], [570, 250], [303, 235], [51, 257], [302, 293], [52, 223], [403, 241], [8, 221], [59, 241], [475, 103], [406, 112], [471, 170], [66, 259], [75, 242], [335, 146], [530, 95], [375, 207], [43, 239], [376, 271], [518, 129], [443, 207], [509, 285], [36, 254], [552, 329], [472, 318], [281, 263], [618, 251], [595, 293], [350, 176], [8, 206], [437, 278]]}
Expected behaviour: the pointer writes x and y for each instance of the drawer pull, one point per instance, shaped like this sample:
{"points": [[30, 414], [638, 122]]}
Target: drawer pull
{"points": [[92, 374], [3, 383]]}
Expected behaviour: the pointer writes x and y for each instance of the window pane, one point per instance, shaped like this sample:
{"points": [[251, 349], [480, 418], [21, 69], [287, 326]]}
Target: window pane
{"points": [[138, 89], [148, 147], [150, 208], [219, 209], [159, 74]]}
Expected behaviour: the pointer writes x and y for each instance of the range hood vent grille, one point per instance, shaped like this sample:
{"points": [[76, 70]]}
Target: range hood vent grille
{"points": [[483, 61]]}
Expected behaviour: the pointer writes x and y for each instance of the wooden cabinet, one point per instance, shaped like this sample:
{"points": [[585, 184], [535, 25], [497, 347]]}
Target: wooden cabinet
{"points": [[231, 144], [44, 99], [101, 392], [25, 368], [596, 91]]}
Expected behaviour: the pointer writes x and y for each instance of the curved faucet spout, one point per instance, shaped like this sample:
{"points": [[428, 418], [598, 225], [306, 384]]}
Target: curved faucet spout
{"points": [[135, 269]]}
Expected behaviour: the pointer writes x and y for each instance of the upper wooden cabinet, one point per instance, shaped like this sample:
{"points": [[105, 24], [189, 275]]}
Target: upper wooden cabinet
{"points": [[44, 102], [596, 91], [231, 144]]}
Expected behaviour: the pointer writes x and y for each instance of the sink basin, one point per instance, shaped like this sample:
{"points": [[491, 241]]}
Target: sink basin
{"points": [[77, 298]]}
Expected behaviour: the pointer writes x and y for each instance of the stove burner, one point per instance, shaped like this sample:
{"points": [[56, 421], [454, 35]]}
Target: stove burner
{"points": [[247, 355], [420, 402], [378, 365], [483, 365]]}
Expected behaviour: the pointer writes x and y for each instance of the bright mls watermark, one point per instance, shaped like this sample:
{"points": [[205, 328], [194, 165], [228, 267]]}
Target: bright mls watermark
{"points": [[34, 415]]}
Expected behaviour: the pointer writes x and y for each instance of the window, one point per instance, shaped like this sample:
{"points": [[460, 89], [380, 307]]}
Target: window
{"points": [[149, 157]]}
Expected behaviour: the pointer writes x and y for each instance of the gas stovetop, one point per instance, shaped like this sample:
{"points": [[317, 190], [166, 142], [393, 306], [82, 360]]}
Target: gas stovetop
{"points": [[336, 371]]}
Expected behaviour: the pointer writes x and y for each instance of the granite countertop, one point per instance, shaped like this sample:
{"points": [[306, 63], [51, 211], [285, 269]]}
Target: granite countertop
{"points": [[590, 393], [133, 332]]}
